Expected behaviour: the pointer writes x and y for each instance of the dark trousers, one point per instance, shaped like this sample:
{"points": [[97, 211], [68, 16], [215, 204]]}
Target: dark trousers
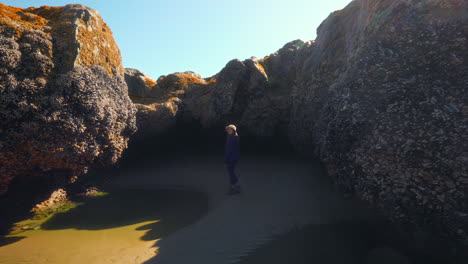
{"points": [[231, 167]]}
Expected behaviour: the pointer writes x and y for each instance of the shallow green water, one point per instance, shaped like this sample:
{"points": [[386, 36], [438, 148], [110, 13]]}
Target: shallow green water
{"points": [[122, 227]]}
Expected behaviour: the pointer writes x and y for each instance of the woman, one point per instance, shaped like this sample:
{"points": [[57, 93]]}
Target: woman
{"points": [[231, 156]]}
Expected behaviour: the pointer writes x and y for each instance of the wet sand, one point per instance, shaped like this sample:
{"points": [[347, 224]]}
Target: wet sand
{"points": [[172, 208], [121, 227], [353, 242], [282, 193]]}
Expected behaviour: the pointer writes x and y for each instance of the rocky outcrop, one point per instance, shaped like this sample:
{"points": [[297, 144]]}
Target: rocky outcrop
{"points": [[379, 96], [177, 96], [139, 84], [255, 94], [56, 199], [382, 101], [63, 99]]}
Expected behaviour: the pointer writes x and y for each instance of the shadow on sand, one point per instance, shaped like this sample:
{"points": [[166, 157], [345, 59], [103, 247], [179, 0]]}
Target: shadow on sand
{"points": [[4, 241], [173, 208], [334, 243]]}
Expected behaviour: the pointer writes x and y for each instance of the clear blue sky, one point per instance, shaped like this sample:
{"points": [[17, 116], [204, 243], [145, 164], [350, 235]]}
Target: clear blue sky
{"points": [[165, 36]]}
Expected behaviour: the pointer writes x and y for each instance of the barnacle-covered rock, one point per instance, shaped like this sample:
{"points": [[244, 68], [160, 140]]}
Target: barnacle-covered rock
{"points": [[379, 96], [382, 101], [64, 104]]}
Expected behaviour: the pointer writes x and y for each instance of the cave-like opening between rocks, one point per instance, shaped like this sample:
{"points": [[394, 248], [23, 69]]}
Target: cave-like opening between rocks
{"points": [[167, 196]]}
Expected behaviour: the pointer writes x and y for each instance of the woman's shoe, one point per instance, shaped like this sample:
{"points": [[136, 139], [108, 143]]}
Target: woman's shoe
{"points": [[233, 190]]}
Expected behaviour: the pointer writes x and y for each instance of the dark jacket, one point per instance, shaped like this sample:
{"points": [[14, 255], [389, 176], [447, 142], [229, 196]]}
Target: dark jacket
{"points": [[231, 152]]}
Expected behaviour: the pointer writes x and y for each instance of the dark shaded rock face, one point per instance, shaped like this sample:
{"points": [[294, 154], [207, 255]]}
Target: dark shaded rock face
{"points": [[382, 101], [63, 100], [379, 96], [251, 95]]}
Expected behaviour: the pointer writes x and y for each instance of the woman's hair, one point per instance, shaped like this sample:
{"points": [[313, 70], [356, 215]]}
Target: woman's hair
{"points": [[234, 128]]}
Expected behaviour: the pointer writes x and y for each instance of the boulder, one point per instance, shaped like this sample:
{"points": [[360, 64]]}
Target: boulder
{"points": [[155, 117], [177, 96], [64, 103], [139, 84], [255, 94]]}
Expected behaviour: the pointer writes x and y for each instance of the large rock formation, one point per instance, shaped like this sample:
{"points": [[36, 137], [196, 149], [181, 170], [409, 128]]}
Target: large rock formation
{"points": [[379, 96], [170, 94], [255, 94], [63, 99], [242, 93], [382, 100]]}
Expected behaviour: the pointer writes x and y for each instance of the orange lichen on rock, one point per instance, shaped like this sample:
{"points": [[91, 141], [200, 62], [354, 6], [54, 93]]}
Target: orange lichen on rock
{"points": [[176, 84], [78, 28], [49, 13], [89, 34], [261, 67], [211, 81], [186, 80], [264, 58], [149, 82], [98, 46], [19, 20]]}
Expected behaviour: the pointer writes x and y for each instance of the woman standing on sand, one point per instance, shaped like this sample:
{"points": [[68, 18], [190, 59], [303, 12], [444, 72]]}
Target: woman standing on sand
{"points": [[231, 156]]}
